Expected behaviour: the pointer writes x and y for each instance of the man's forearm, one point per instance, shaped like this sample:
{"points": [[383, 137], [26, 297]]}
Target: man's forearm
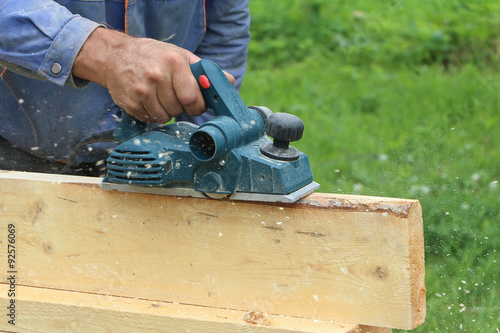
{"points": [[149, 79], [93, 61]]}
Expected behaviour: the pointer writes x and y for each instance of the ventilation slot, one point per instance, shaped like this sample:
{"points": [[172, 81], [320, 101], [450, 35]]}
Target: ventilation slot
{"points": [[135, 167]]}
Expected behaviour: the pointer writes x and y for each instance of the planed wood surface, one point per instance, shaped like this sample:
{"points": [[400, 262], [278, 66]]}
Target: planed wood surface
{"points": [[46, 310], [328, 257]]}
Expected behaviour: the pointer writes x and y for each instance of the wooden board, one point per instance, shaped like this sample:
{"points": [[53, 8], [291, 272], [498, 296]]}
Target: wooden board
{"points": [[328, 257], [46, 310]]}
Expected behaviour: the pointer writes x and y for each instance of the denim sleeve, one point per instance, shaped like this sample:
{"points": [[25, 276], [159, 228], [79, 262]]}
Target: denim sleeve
{"points": [[227, 36], [41, 39]]}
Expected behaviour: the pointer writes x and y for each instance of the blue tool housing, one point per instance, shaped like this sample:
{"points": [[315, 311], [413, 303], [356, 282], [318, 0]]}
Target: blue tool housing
{"points": [[221, 156]]}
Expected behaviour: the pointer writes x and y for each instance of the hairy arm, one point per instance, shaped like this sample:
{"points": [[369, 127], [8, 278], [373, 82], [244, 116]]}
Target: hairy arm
{"points": [[151, 80]]}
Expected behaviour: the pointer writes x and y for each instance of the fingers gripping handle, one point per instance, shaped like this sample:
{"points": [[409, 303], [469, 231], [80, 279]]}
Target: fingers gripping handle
{"points": [[218, 93]]}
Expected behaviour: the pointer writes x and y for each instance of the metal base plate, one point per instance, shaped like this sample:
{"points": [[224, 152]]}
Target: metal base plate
{"points": [[189, 192]]}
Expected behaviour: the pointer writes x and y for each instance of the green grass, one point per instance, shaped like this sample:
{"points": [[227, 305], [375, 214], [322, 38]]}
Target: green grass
{"points": [[384, 32], [413, 112]]}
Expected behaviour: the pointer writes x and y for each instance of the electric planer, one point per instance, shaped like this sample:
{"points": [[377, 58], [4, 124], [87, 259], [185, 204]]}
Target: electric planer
{"points": [[231, 156]]}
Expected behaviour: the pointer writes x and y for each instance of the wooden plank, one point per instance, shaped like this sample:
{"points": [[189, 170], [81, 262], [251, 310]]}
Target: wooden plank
{"points": [[48, 310], [329, 257]]}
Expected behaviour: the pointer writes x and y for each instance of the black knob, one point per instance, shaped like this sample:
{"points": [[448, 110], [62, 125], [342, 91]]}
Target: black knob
{"points": [[284, 128]]}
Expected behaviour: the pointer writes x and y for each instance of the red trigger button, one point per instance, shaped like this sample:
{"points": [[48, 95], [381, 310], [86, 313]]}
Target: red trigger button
{"points": [[204, 81]]}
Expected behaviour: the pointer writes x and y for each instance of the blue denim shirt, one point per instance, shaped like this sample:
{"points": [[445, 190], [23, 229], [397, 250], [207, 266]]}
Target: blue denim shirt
{"points": [[46, 111]]}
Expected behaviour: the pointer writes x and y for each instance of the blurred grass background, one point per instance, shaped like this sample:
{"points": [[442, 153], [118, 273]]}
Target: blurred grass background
{"points": [[400, 99]]}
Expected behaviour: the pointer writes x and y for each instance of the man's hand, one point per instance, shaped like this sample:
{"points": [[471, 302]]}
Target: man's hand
{"points": [[151, 80]]}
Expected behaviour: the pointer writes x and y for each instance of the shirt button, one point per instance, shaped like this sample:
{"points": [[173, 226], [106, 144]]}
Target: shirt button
{"points": [[56, 68]]}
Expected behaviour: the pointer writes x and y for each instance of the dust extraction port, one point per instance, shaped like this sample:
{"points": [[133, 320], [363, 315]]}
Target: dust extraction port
{"points": [[213, 140], [202, 145]]}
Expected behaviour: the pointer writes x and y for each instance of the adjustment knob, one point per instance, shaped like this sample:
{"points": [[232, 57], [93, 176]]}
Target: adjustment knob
{"points": [[284, 128]]}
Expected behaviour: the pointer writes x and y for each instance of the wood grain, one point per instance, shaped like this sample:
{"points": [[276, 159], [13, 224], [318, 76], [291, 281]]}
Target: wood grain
{"points": [[47, 310], [328, 257]]}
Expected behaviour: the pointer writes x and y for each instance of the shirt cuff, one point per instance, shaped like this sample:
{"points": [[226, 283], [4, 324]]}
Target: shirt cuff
{"points": [[58, 62]]}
